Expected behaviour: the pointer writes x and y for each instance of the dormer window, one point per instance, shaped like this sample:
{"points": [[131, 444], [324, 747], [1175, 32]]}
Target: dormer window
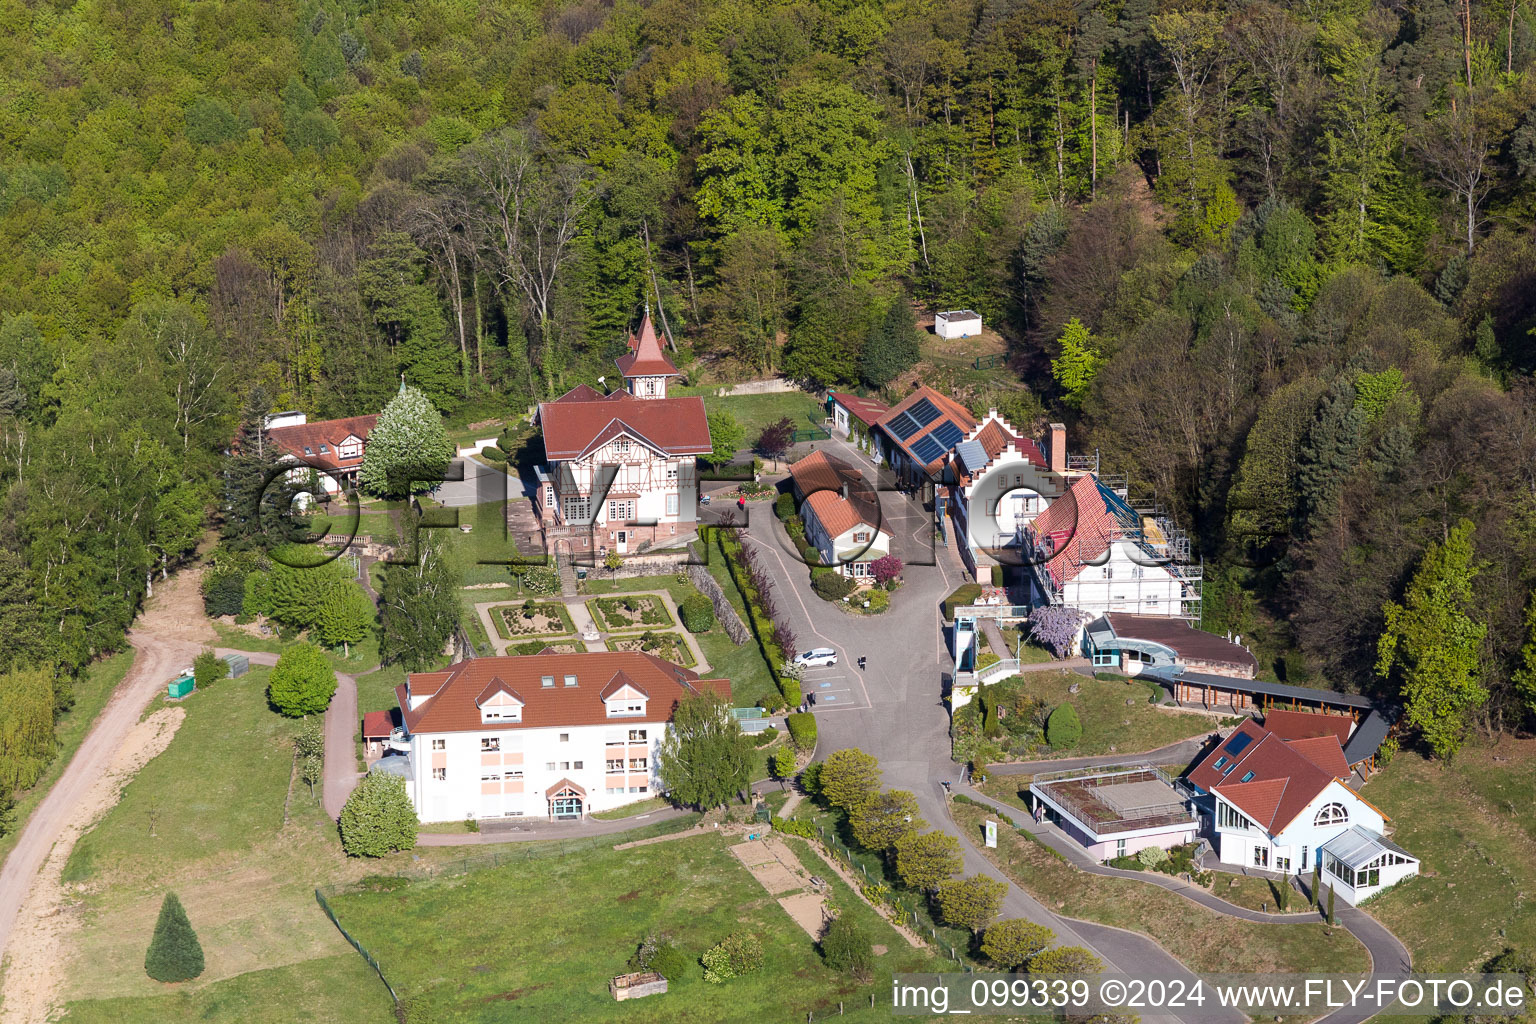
{"points": [[491, 714], [625, 708]]}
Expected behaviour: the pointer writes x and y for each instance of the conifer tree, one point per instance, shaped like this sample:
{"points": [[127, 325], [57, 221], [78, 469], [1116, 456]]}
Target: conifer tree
{"points": [[891, 346], [174, 953]]}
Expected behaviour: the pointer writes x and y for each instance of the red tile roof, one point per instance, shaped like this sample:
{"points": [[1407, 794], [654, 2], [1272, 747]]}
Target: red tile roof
{"points": [[950, 411], [1323, 751], [867, 411], [645, 357], [455, 692], [1078, 527], [575, 427], [1282, 777], [994, 437], [378, 723], [836, 492], [1300, 725], [330, 433]]}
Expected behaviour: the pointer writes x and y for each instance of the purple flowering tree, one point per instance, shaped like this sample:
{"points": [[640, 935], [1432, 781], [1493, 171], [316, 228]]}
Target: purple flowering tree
{"points": [[1055, 628], [885, 569]]}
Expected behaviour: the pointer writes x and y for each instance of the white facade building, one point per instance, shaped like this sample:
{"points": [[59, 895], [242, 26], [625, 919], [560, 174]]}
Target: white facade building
{"points": [[841, 512], [957, 323], [622, 467], [538, 736], [1282, 805]]}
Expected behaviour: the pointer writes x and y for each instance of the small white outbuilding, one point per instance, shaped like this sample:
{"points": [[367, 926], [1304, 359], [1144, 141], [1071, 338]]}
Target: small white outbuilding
{"points": [[957, 323]]}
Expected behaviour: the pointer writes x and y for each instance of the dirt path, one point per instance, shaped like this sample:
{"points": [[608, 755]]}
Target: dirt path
{"points": [[167, 636]]}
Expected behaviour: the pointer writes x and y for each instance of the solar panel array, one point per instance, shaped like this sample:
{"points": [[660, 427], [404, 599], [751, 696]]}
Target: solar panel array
{"points": [[904, 426], [927, 449], [947, 434], [924, 411]]}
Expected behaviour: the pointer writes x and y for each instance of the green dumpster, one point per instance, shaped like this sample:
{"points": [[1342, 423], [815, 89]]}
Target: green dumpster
{"points": [[180, 687]]}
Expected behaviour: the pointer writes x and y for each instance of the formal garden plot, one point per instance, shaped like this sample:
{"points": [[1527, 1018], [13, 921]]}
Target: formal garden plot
{"points": [[629, 611], [531, 619], [540, 646], [667, 646]]}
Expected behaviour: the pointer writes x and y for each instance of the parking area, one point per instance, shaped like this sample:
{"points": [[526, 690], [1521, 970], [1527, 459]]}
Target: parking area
{"points": [[834, 687]]}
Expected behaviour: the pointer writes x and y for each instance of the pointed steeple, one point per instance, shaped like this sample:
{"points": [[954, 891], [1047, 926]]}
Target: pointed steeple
{"points": [[646, 367]]}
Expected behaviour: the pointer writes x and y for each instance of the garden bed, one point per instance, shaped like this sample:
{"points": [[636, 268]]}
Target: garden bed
{"points": [[667, 646], [629, 611], [518, 621], [540, 646]]}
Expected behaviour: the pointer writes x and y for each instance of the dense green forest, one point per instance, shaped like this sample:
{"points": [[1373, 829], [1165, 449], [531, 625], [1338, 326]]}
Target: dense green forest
{"points": [[1293, 243]]}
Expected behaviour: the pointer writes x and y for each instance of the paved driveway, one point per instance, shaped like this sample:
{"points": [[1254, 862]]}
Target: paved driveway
{"points": [[896, 713]]}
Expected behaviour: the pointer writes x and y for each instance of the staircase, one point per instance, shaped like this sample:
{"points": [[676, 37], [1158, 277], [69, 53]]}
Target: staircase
{"points": [[567, 568]]}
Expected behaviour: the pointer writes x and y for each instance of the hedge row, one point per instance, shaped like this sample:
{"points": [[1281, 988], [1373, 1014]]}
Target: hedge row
{"points": [[759, 621], [802, 729]]}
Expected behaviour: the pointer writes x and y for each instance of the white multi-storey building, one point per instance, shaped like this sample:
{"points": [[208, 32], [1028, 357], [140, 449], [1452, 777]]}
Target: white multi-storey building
{"points": [[1282, 805], [621, 468], [539, 736]]}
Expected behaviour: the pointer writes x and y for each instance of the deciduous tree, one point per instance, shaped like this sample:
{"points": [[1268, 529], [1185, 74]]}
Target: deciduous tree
{"points": [[926, 859], [704, 759], [302, 682], [1012, 943], [408, 451], [849, 778], [970, 902]]}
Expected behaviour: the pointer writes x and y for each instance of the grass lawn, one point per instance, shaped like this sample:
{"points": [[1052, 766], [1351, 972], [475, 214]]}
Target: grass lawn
{"points": [[545, 933], [205, 817], [1029, 653], [338, 989], [92, 691], [1253, 893], [1008, 789], [622, 613], [215, 790], [645, 806], [754, 412], [1472, 823], [549, 618], [1107, 720], [837, 836], [743, 665], [1202, 939], [484, 550], [363, 656]]}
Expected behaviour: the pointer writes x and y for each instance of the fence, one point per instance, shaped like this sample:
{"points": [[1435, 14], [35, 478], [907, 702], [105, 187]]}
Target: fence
{"points": [[985, 362], [906, 913], [724, 613], [369, 957], [812, 434]]}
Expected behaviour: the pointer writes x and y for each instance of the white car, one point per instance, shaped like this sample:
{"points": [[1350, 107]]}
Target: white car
{"points": [[817, 657]]}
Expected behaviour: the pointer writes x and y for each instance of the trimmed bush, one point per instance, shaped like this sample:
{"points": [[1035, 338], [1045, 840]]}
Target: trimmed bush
{"points": [[541, 579], [174, 953], [208, 668], [378, 817], [790, 687], [1063, 729], [802, 729], [697, 613], [997, 575], [784, 507], [224, 591], [811, 556], [765, 737], [737, 954], [832, 586], [493, 455], [1152, 856], [671, 963], [962, 596], [846, 947], [878, 600]]}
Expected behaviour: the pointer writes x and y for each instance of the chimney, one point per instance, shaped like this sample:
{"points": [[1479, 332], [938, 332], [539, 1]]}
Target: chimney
{"points": [[1056, 449]]}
